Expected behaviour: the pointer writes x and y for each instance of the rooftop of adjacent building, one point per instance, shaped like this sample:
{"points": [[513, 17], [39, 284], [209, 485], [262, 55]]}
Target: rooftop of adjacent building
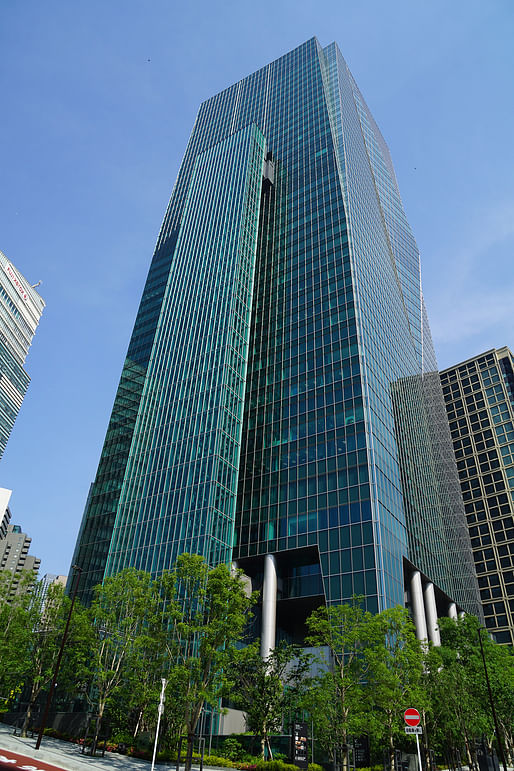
{"points": [[52, 578], [20, 309], [17, 530], [500, 353], [23, 287]]}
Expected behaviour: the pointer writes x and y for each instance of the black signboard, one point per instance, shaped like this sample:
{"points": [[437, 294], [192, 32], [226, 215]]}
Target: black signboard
{"points": [[361, 756], [299, 739], [486, 760]]}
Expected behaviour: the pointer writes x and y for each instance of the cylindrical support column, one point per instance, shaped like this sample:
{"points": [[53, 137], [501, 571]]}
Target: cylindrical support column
{"points": [[418, 606], [269, 606], [452, 611], [431, 614]]}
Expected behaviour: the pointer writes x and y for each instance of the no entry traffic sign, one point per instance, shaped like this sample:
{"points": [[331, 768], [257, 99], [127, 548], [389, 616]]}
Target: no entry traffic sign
{"points": [[411, 716]]}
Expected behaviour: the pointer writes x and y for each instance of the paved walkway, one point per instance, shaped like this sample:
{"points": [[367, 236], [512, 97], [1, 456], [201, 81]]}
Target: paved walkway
{"points": [[67, 756]]}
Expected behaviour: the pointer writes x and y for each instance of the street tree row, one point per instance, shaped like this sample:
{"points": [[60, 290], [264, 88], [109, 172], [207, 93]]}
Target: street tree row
{"points": [[189, 626]]}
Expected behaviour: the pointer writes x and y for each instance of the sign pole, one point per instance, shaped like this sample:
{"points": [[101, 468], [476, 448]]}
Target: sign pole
{"points": [[419, 753], [413, 718]]}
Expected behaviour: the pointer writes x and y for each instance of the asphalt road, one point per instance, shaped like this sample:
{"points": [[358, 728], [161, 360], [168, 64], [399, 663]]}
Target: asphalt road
{"points": [[15, 762]]}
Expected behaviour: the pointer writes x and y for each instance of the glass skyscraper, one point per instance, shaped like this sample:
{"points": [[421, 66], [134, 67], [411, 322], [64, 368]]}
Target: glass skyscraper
{"points": [[280, 403], [20, 310]]}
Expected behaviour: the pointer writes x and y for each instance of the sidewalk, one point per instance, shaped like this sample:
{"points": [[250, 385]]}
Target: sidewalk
{"points": [[68, 756]]}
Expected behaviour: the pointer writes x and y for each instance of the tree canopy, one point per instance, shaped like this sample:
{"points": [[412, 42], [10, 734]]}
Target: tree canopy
{"points": [[188, 626]]}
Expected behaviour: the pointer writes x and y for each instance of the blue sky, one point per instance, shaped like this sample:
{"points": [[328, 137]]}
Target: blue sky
{"points": [[98, 99]]}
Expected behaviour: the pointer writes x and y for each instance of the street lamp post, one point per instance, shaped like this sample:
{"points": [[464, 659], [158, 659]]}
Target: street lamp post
{"points": [[59, 657], [496, 726], [160, 711]]}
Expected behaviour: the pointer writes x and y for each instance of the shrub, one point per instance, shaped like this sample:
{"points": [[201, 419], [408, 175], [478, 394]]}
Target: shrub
{"points": [[214, 760], [122, 737], [232, 749], [55, 734], [275, 765], [317, 767], [141, 754]]}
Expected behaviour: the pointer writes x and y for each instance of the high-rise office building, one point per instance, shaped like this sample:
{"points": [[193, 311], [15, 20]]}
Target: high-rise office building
{"points": [[5, 514], [20, 310], [479, 395], [15, 557], [280, 403], [48, 580]]}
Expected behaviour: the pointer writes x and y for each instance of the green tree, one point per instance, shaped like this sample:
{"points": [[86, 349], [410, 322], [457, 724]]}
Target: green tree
{"points": [[460, 708], [500, 667], [206, 611], [133, 704], [452, 718], [394, 669], [124, 615], [17, 619], [46, 618], [176, 705], [269, 690], [336, 699]]}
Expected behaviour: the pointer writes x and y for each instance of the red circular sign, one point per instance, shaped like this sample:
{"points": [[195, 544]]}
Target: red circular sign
{"points": [[411, 716]]}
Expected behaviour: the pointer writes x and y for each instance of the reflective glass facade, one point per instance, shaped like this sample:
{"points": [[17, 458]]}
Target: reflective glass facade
{"points": [[181, 478], [479, 395], [20, 310], [282, 352]]}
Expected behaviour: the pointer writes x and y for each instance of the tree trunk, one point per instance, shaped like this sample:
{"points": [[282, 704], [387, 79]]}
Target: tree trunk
{"points": [[26, 720], [263, 746], [424, 741], [469, 754], [34, 693], [344, 736], [507, 735], [136, 729], [101, 707], [191, 731], [453, 755], [189, 753], [391, 751], [345, 757]]}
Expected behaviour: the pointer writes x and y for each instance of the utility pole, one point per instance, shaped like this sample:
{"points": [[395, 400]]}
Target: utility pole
{"points": [[59, 657], [496, 726]]}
